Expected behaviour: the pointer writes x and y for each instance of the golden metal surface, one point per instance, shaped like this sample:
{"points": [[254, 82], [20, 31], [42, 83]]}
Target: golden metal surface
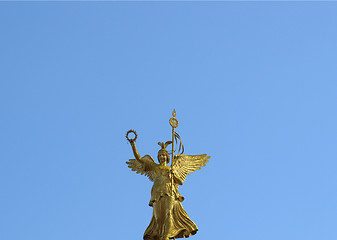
{"points": [[169, 219]]}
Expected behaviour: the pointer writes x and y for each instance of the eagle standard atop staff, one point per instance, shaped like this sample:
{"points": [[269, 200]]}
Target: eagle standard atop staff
{"points": [[169, 219]]}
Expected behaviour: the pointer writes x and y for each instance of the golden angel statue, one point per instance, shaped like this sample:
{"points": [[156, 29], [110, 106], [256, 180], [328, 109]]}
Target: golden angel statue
{"points": [[169, 219]]}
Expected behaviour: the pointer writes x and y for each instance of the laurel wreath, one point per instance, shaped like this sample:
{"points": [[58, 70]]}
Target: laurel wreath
{"points": [[132, 139]]}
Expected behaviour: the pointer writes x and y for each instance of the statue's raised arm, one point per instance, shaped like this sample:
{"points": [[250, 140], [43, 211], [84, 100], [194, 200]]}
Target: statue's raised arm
{"points": [[143, 165]]}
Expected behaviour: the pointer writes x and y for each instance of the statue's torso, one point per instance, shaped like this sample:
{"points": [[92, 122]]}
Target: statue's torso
{"points": [[162, 182]]}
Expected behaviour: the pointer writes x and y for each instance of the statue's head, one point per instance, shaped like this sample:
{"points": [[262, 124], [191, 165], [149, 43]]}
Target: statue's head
{"points": [[163, 155]]}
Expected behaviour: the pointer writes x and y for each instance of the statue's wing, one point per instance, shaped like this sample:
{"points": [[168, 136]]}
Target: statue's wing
{"points": [[146, 166], [183, 165]]}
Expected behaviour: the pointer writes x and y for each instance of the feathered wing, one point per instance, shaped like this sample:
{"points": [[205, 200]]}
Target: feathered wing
{"points": [[183, 165], [144, 167]]}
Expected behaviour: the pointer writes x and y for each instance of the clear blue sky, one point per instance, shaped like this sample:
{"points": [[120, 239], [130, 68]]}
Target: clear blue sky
{"points": [[254, 85]]}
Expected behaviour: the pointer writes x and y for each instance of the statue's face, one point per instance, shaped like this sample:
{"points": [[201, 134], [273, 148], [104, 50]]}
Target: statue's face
{"points": [[162, 157]]}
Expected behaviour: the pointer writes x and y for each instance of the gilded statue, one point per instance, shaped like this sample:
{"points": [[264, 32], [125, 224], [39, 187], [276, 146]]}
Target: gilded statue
{"points": [[169, 219]]}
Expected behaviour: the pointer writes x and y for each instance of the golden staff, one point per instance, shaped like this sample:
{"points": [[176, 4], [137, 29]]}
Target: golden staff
{"points": [[174, 124]]}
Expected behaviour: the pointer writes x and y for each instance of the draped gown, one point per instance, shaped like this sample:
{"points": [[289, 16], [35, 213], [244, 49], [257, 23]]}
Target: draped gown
{"points": [[169, 218]]}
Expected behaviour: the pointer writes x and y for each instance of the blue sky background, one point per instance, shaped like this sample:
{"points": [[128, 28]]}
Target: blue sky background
{"points": [[254, 85]]}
